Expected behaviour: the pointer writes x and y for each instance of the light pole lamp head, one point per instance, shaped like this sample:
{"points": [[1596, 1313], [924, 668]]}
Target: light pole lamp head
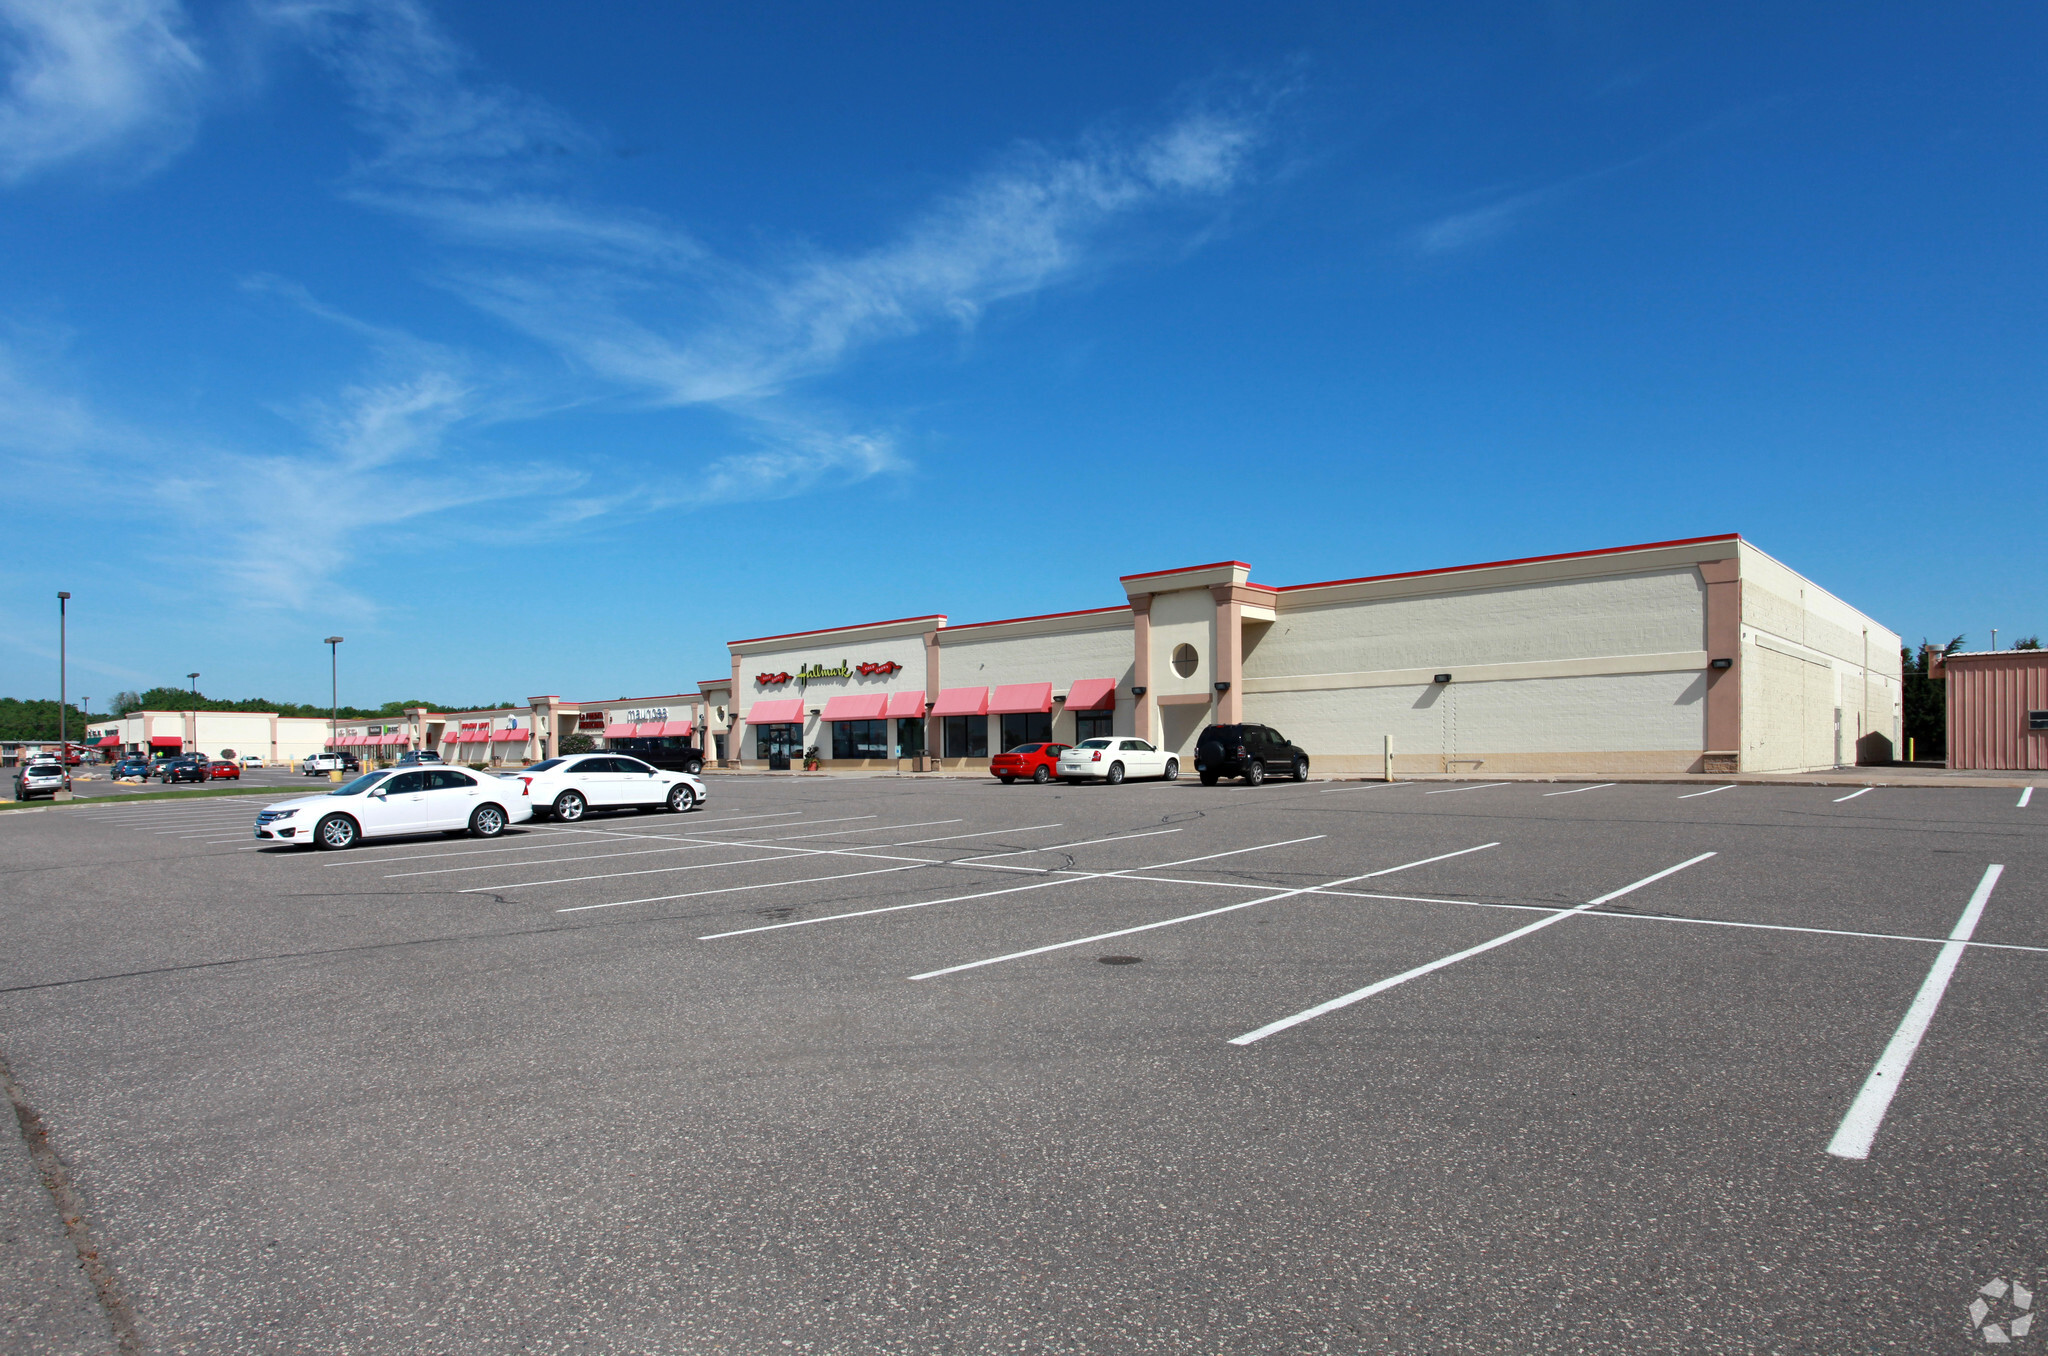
{"points": [[332, 640], [62, 596]]}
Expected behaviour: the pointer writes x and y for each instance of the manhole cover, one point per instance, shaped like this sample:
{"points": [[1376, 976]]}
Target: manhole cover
{"points": [[1119, 960]]}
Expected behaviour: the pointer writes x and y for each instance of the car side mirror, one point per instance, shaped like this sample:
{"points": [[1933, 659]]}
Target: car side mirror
{"points": [[381, 794]]}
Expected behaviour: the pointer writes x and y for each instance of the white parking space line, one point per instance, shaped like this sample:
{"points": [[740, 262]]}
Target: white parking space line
{"points": [[872, 850], [1359, 995], [1062, 878], [695, 847], [1575, 790], [1483, 786], [2025, 795], [842, 819], [1853, 1137], [1364, 786], [1853, 794], [1191, 917], [1708, 792]]}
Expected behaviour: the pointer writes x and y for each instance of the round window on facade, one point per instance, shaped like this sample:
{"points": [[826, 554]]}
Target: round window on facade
{"points": [[1184, 660]]}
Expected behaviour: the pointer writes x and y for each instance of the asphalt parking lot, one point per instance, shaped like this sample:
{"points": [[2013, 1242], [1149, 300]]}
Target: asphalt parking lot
{"points": [[945, 1066]]}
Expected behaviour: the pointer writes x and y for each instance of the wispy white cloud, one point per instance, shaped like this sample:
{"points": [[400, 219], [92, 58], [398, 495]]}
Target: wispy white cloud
{"points": [[1462, 230], [102, 79], [646, 309]]}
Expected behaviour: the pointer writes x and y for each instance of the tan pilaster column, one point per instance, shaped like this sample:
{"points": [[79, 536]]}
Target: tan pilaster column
{"points": [[1228, 649], [734, 732], [1723, 579], [1141, 664], [931, 693]]}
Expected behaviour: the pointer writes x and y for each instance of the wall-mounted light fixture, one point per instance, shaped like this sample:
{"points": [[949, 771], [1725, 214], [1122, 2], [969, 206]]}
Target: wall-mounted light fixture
{"points": [[1721, 664], [1223, 687], [1441, 678], [815, 711], [1137, 692]]}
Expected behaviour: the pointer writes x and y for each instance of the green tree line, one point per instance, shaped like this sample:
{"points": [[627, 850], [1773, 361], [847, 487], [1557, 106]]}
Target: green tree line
{"points": [[38, 720], [182, 699]]}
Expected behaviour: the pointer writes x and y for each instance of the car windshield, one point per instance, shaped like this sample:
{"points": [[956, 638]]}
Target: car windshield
{"points": [[44, 770], [544, 765], [1025, 748], [1094, 744], [360, 784]]}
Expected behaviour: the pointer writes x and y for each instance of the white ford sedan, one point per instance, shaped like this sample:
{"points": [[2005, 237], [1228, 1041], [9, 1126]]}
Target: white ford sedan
{"points": [[1112, 760], [397, 801], [569, 788]]}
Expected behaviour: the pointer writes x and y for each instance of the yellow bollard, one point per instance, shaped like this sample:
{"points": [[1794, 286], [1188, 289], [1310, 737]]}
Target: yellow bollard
{"points": [[335, 775]]}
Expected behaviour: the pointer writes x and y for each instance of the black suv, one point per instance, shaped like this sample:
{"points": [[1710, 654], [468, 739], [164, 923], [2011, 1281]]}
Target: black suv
{"points": [[186, 767], [1247, 751]]}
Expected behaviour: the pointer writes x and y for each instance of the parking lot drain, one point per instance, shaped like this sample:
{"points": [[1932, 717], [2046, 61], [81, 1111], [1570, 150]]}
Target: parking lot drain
{"points": [[1119, 960]]}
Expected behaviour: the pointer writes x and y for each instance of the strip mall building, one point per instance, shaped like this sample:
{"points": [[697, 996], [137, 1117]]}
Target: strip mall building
{"points": [[1702, 655]]}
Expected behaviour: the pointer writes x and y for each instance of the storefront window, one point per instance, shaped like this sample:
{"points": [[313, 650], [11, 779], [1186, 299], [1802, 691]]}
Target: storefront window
{"points": [[860, 739], [910, 739], [1093, 724], [784, 741], [966, 736], [1030, 727]]}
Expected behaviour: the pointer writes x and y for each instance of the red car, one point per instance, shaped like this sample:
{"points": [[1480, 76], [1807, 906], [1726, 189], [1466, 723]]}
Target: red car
{"points": [[1039, 762], [223, 767]]}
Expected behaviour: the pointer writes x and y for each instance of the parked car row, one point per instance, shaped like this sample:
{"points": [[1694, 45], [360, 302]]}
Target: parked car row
{"points": [[425, 797], [1252, 752]]}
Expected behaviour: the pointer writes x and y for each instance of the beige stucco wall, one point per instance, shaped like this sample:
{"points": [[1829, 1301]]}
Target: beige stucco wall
{"points": [[1057, 651], [1804, 657], [853, 649]]}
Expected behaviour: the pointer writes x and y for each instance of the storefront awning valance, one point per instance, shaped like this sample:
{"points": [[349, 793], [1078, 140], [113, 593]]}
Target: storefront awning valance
{"points": [[962, 701], [1021, 697], [619, 730], [166, 742], [906, 705], [858, 706], [1092, 694], [394, 739], [675, 729], [508, 736], [649, 729], [777, 712], [110, 742]]}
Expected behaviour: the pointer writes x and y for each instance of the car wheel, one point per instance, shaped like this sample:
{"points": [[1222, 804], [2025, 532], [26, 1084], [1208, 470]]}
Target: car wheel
{"points": [[569, 807], [1116, 774], [1209, 779], [694, 766], [1254, 772], [1005, 780], [487, 821], [1173, 769], [336, 833], [681, 798], [1040, 775], [1300, 769]]}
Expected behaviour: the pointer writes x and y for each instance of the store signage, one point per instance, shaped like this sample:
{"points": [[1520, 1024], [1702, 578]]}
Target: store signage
{"points": [[645, 713], [820, 671], [883, 669], [590, 720], [771, 679]]}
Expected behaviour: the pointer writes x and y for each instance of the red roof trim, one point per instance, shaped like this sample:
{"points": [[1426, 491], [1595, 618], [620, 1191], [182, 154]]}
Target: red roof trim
{"points": [[823, 630], [1183, 569], [1524, 560], [1042, 616]]}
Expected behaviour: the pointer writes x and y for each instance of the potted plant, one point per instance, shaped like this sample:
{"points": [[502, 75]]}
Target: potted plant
{"points": [[812, 760]]}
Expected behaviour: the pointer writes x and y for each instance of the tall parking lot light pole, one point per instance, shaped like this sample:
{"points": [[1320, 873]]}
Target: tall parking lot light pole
{"points": [[63, 728], [333, 644], [195, 710]]}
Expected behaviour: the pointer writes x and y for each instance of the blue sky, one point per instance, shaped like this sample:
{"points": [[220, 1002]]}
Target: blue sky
{"points": [[541, 348]]}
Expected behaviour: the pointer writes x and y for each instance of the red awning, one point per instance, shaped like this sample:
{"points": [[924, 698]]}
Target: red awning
{"points": [[906, 705], [962, 701], [510, 735], [166, 742], [479, 736], [648, 729], [110, 742], [395, 739], [622, 730], [1021, 697], [1092, 694], [776, 712], [858, 706], [675, 729]]}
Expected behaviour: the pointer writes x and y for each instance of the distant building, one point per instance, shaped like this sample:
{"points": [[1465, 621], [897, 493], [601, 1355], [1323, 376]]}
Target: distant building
{"points": [[160, 733], [1997, 709]]}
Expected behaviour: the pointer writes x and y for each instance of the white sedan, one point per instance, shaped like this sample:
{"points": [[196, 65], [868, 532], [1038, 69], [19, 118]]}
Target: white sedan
{"points": [[569, 788], [252, 760], [1112, 760], [397, 801]]}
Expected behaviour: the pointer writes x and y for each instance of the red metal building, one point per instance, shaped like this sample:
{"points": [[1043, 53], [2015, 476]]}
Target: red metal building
{"points": [[1997, 709]]}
